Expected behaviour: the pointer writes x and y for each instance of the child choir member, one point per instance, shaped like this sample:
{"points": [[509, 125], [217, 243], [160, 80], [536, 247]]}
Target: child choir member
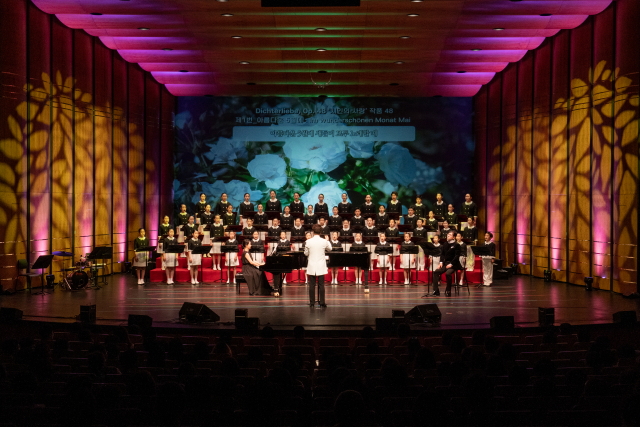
{"points": [[440, 207], [470, 232], [368, 208], [201, 207], [163, 231], [451, 217], [207, 218], [245, 206], [434, 247], [407, 260], [394, 206], [260, 217], [231, 258], [346, 231], [297, 231], [411, 218], [181, 221], [384, 261], [391, 232], [249, 229], [357, 221], [335, 220], [382, 218], [258, 245], [445, 230], [169, 261], [140, 258], [344, 206], [469, 207], [189, 228], [421, 232], [286, 221], [221, 206], [432, 222], [419, 209], [273, 204], [194, 260], [335, 245], [273, 233], [358, 243], [229, 218], [463, 256], [321, 206], [296, 206], [325, 227], [217, 230], [488, 260], [310, 218]]}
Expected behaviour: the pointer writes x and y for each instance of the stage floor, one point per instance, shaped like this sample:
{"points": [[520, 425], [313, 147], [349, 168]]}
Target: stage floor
{"points": [[348, 306]]}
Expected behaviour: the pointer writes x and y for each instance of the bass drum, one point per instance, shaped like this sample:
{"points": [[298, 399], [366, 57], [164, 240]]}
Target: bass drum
{"points": [[77, 280]]}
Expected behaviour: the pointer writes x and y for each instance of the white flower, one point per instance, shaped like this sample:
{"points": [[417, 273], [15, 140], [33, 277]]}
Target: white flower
{"points": [[226, 151], [212, 191], [269, 168], [236, 189], [332, 194], [315, 154], [182, 119], [361, 149], [384, 186], [397, 164], [426, 177]]}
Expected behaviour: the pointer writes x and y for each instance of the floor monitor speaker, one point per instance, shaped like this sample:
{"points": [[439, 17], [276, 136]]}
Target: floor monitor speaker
{"points": [[195, 312]]}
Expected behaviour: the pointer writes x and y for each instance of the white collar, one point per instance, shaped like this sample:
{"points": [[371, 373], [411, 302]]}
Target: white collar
{"points": [[297, 228], [368, 204], [297, 202], [283, 240], [372, 227], [410, 216], [273, 200], [392, 228], [335, 241], [286, 215], [440, 203], [259, 213], [346, 229], [358, 216], [247, 203], [487, 242], [192, 225], [418, 204], [345, 203], [223, 201], [207, 213], [335, 215], [170, 238], [451, 241], [382, 214], [468, 203], [201, 202], [394, 203], [217, 225], [183, 213], [195, 240], [471, 226], [255, 240], [355, 241], [231, 241], [272, 226], [436, 244], [320, 203], [419, 228]]}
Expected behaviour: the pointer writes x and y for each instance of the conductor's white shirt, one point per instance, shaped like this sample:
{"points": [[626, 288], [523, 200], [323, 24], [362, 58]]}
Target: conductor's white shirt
{"points": [[315, 249]]}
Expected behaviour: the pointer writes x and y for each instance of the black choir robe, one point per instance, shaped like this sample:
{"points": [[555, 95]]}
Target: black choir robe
{"points": [[410, 220], [392, 232], [163, 230], [346, 233], [445, 231], [286, 222], [274, 232], [470, 233], [335, 221], [357, 222], [344, 207], [370, 232], [297, 232], [229, 219], [272, 206], [420, 210], [260, 219], [217, 230], [420, 232], [367, 209], [221, 208], [207, 219], [201, 207], [321, 208], [451, 217], [440, 209], [310, 219], [244, 207], [382, 219], [296, 207], [433, 223], [248, 231], [182, 219], [470, 209], [189, 230], [394, 208], [492, 247]]}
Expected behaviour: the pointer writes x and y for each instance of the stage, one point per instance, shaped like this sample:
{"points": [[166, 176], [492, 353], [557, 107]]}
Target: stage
{"points": [[348, 306]]}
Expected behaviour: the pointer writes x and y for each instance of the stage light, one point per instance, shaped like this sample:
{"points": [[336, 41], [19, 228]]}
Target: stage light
{"points": [[143, 28], [320, 29], [588, 282], [321, 50], [244, 62], [405, 37], [476, 50], [547, 275], [399, 62], [236, 37], [227, 14], [499, 29], [412, 15]]}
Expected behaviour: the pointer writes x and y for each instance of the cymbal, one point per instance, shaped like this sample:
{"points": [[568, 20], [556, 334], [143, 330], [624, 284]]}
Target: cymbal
{"points": [[63, 253]]}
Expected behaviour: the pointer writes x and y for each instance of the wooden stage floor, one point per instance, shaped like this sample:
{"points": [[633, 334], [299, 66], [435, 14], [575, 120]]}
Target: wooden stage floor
{"points": [[348, 306]]}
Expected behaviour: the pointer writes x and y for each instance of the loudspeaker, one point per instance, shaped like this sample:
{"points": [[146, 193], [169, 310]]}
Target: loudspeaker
{"points": [[625, 317], [247, 323], [87, 313], [141, 320], [388, 324], [424, 313], [194, 312], [242, 312], [546, 316], [502, 323], [8, 315]]}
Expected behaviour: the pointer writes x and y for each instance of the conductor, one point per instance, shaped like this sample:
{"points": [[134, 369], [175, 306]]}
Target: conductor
{"points": [[315, 249]]}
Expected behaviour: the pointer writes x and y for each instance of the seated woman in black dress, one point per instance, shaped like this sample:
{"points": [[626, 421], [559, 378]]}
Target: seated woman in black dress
{"points": [[256, 279]]}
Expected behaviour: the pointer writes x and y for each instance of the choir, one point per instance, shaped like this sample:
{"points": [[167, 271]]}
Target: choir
{"points": [[384, 232]]}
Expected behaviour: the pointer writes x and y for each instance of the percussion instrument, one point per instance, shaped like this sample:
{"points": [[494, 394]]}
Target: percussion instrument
{"points": [[76, 280]]}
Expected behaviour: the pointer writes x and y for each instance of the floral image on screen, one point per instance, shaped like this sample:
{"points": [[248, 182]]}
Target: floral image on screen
{"points": [[209, 160]]}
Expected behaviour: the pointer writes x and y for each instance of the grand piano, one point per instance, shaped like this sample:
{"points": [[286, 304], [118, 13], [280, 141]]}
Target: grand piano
{"points": [[286, 262]]}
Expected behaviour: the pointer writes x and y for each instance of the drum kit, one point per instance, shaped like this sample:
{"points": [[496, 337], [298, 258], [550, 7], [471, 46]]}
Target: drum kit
{"points": [[76, 278]]}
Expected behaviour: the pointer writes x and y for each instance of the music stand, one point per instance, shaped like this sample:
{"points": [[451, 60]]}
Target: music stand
{"points": [[297, 215], [216, 239], [102, 253], [228, 250], [42, 263], [411, 250], [298, 239], [201, 250], [393, 216], [63, 255], [269, 240], [247, 215], [385, 251], [370, 241], [261, 229], [174, 249], [346, 215], [271, 215], [393, 241], [365, 272], [405, 228], [150, 250], [366, 216], [431, 252], [345, 240]]}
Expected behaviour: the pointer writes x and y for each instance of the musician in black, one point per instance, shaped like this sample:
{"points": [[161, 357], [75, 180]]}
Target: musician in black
{"points": [[368, 207], [469, 207], [357, 220], [321, 206], [221, 206], [382, 218], [249, 229], [419, 209], [451, 217], [260, 217], [296, 206], [449, 263], [245, 206], [273, 204], [335, 220], [335, 246], [310, 218], [440, 207], [344, 206], [257, 281]]}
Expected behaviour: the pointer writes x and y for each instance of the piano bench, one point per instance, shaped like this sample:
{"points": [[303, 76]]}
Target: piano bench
{"points": [[239, 279]]}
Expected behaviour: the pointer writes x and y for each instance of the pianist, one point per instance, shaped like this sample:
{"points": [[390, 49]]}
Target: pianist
{"points": [[256, 280]]}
